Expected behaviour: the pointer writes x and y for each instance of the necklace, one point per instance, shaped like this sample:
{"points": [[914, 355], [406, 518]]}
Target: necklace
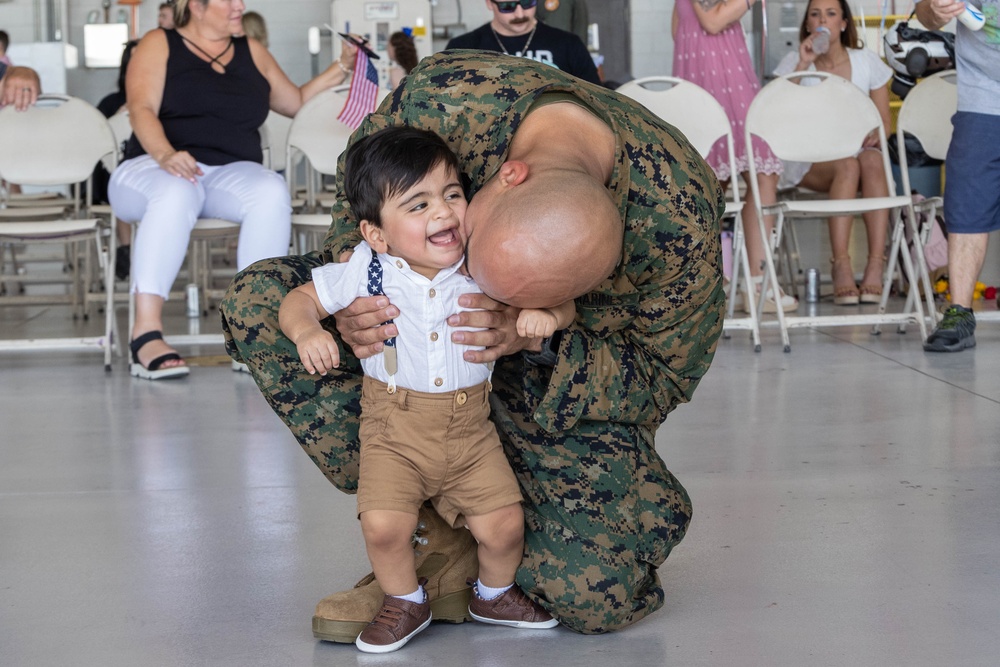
{"points": [[213, 61], [504, 48]]}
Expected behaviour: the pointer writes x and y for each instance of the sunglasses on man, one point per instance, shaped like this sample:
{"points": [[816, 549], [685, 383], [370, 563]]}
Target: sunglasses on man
{"points": [[510, 6]]}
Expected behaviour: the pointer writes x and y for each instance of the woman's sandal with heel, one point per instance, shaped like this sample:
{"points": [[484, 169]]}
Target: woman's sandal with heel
{"points": [[154, 370], [844, 295], [870, 293]]}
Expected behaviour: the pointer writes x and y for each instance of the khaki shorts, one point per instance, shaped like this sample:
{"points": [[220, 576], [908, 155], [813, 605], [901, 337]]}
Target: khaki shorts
{"points": [[417, 446]]}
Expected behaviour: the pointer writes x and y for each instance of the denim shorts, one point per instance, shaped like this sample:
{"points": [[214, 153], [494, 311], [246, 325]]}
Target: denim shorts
{"points": [[972, 174]]}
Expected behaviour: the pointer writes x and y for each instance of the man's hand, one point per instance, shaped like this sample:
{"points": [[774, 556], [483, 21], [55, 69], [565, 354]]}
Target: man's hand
{"points": [[20, 88], [933, 14], [359, 325], [498, 322]]}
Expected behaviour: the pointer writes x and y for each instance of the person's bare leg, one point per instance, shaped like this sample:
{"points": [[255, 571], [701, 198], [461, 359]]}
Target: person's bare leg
{"points": [[842, 270], [388, 538], [956, 330], [500, 534], [966, 254], [768, 187], [839, 179], [149, 317], [873, 184]]}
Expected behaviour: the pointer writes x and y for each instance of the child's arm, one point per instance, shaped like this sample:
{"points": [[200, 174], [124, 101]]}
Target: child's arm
{"points": [[543, 322], [299, 318]]}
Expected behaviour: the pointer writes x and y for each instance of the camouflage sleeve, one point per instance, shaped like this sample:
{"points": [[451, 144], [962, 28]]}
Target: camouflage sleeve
{"points": [[641, 343], [642, 371]]}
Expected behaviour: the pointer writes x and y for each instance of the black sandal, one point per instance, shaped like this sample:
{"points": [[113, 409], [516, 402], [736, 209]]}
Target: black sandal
{"points": [[153, 371]]}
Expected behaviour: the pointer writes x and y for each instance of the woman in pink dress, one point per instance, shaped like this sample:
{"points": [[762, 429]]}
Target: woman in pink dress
{"points": [[710, 50]]}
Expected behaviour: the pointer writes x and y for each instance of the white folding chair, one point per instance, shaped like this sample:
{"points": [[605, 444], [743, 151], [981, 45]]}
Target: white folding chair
{"points": [[692, 109], [319, 138], [820, 123], [926, 114], [58, 142], [277, 126]]}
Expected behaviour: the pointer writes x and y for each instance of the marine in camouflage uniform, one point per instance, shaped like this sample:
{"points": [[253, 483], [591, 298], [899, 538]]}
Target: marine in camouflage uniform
{"points": [[602, 511]]}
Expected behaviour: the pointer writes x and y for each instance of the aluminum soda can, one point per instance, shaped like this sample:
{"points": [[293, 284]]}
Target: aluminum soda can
{"points": [[812, 286], [193, 305]]}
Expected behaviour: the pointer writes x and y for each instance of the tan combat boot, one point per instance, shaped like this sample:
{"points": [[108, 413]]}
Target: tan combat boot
{"points": [[445, 557]]}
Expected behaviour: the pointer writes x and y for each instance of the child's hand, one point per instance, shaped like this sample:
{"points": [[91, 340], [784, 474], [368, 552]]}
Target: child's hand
{"points": [[318, 351], [534, 323]]}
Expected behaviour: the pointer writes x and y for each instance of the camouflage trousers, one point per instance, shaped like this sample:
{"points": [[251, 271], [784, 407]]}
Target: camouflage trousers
{"points": [[602, 511]]}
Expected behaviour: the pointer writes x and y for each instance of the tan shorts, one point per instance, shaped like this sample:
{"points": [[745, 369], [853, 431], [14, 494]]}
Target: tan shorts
{"points": [[442, 447]]}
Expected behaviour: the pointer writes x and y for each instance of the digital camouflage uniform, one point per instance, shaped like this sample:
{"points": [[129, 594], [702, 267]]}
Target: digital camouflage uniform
{"points": [[602, 510]]}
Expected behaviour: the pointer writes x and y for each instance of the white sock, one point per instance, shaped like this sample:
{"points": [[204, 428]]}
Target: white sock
{"points": [[487, 593], [417, 596]]}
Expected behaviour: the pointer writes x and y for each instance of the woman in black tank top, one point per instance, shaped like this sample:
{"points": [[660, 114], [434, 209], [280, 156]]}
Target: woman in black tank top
{"points": [[197, 97]]}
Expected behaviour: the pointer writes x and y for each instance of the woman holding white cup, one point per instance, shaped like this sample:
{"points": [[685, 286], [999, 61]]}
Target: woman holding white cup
{"points": [[829, 43]]}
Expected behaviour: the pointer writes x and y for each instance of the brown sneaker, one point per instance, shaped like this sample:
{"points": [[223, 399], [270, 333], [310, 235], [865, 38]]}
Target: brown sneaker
{"points": [[397, 622], [445, 556], [513, 608]]}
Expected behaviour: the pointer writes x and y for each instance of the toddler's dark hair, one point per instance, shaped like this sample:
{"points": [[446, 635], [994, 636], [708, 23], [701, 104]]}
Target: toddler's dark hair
{"points": [[387, 163]]}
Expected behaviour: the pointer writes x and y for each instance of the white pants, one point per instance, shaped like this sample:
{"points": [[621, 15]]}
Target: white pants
{"points": [[168, 207]]}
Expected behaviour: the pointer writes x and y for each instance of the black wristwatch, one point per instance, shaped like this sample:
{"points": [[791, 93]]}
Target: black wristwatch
{"points": [[549, 353]]}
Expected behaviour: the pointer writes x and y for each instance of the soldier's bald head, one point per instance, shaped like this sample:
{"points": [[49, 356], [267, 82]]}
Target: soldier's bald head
{"points": [[553, 237]]}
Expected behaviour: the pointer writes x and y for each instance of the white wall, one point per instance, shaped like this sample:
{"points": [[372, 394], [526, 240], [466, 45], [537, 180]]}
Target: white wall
{"points": [[652, 45]]}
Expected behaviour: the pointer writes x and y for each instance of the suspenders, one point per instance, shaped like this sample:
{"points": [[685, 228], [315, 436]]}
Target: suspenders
{"points": [[389, 351]]}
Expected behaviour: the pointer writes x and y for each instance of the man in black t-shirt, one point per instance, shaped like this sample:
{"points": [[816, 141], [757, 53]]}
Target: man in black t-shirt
{"points": [[515, 31]]}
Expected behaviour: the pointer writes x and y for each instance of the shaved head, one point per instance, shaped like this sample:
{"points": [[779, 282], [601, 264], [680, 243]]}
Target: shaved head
{"points": [[554, 237]]}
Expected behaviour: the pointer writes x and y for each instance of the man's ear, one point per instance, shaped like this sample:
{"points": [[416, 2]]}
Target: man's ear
{"points": [[513, 172], [373, 235]]}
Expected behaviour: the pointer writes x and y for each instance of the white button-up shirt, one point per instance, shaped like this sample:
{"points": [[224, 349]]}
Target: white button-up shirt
{"points": [[427, 359]]}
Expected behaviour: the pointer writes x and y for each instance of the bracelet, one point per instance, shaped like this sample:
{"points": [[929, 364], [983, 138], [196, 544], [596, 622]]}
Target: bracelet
{"points": [[342, 68]]}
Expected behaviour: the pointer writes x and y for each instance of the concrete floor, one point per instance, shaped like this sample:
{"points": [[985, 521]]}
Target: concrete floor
{"points": [[846, 495]]}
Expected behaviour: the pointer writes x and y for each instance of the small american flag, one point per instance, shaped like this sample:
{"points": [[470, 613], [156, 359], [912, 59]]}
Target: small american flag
{"points": [[363, 93]]}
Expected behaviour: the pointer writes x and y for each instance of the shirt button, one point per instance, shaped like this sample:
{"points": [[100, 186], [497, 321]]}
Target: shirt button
{"points": [[438, 382], [462, 398], [434, 336], [399, 264], [432, 294]]}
